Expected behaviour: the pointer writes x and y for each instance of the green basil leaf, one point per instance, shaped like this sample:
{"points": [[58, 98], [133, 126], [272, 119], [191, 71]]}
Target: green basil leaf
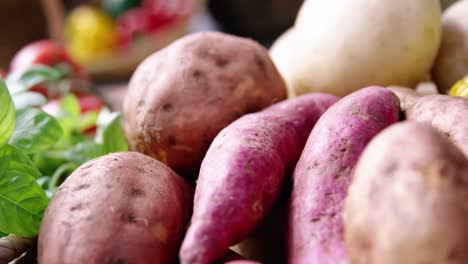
{"points": [[35, 130], [70, 105], [19, 161], [38, 74], [28, 99], [48, 161], [88, 120], [68, 117], [22, 200], [13, 83], [21, 81], [82, 152], [110, 132], [3, 234], [7, 114]]}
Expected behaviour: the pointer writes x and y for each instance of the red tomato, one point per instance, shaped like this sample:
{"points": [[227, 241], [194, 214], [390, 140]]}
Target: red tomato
{"points": [[90, 103], [152, 16], [87, 102], [168, 8], [2, 74], [45, 52]]}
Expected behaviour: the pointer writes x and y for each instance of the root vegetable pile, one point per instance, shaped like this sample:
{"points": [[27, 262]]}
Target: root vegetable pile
{"points": [[357, 166]]}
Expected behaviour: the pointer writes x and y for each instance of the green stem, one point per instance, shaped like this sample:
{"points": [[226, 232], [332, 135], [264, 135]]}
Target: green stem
{"points": [[55, 179]]}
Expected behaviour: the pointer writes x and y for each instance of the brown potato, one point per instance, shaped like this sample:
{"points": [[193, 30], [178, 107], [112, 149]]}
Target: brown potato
{"points": [[181, 97], [451, 63], [406, 95], [448, 114], [120, 208], [408, 199]]}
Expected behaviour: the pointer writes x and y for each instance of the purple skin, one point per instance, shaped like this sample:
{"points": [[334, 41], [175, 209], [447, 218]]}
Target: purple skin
{"points": [[323, 173], [243, 262], [242, 173]]}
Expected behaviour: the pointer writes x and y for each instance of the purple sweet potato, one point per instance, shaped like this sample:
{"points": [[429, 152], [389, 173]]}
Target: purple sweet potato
{"points": [[119, 208], [408, 199], [323, 173], [243, 262], [242, 173]]}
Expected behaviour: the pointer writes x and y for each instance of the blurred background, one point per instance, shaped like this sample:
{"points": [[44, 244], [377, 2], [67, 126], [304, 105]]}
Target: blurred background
{"points": [[123, 26], [110, 37]]}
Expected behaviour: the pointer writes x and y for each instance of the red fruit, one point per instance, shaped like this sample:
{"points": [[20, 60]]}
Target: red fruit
{"points": [[90, 103], [168, 8], [2, 74], [42, 90], [45, 52], [87, 103], [151, 17]]}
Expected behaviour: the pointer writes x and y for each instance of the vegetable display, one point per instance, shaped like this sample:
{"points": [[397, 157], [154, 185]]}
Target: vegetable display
{"points": [[38, 150], [97, 33], [211, 162], [247, 160]]}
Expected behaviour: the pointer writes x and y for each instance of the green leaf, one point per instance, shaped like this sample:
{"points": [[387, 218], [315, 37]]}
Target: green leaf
{"points": [[59, 173], [82, 152], [23, 80], [69, 117], [70, 105], [22, 200], [7, 114], [18, 161], [3, 234], [13, 83], [35, 130], [40, 73], [28, 99], [110, 132], [88, 120]]}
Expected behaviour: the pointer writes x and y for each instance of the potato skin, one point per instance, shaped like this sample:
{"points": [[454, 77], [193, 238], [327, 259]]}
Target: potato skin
{"points": [[323, 173], [182, 96], [120, 208], [406, 95], [451, 62], [407, 202], [446, 113]]}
